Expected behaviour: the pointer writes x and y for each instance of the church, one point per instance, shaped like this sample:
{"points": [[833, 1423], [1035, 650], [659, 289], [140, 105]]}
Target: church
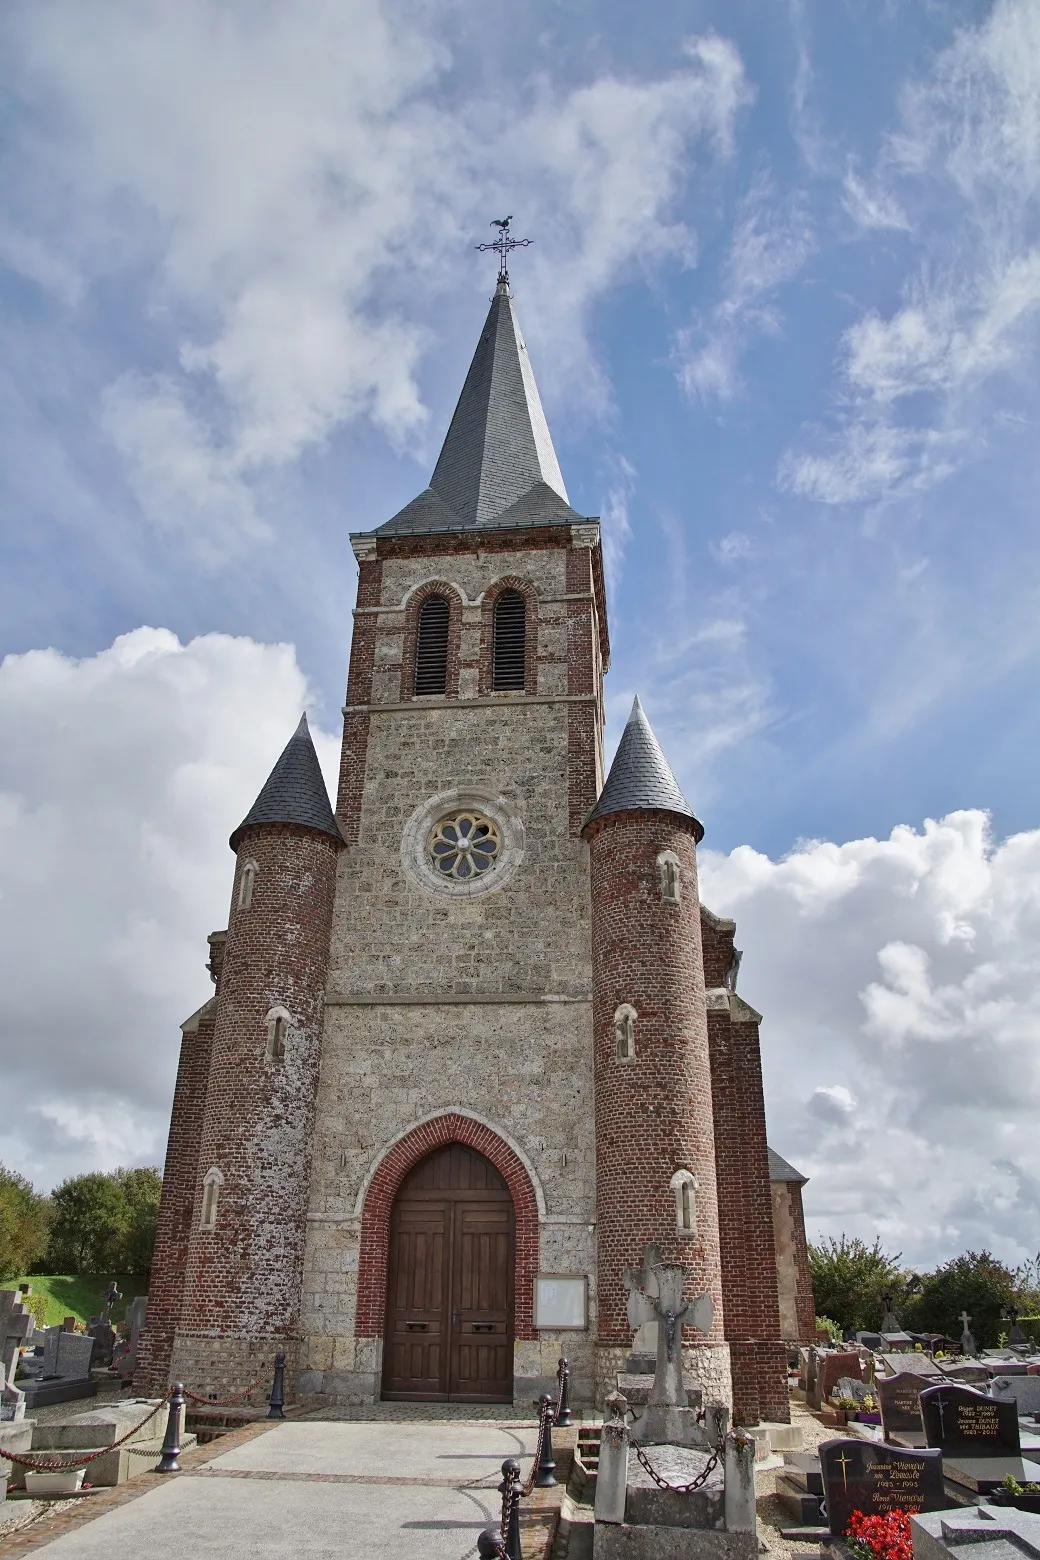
{"points": [[474, 1040]]}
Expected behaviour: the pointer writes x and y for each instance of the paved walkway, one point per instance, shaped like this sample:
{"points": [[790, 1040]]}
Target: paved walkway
{"points": [[317, 1489]]}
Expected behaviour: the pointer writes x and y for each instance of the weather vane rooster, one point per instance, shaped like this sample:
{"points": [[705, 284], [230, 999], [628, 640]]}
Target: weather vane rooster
{"points": [[503, 244]]}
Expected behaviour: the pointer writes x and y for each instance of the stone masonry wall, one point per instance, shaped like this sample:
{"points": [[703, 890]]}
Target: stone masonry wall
{"points": [[654, 1115], [442, 1003]]}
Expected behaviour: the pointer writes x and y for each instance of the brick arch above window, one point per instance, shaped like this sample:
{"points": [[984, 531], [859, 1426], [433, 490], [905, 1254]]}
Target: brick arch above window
{"points": [[418, 596], [383, 1185], [487, 634]]}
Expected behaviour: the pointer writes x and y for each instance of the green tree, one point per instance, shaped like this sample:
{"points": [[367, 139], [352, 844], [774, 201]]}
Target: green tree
{"points": [[849, 1279], [89, 1217], [975, 1282], [141, 1191], [24, 1225]]}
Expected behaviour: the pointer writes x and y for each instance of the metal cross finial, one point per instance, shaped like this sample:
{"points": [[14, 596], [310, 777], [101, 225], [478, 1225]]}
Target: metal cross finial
{"points": [[503, 244]]}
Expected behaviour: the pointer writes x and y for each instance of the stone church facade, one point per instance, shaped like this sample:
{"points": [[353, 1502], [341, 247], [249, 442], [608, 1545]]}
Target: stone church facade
{"points": [[474, 1040]]}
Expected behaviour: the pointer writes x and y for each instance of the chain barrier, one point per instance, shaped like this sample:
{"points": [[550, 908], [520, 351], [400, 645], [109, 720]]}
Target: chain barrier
{"points": [[59, 1465], [228, 1402], [544, 1414], [679, 1489], [53, 1465]]}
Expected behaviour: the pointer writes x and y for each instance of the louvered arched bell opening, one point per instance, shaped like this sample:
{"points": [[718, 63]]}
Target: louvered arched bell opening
{"points": [[510, 641], [431, 646]]}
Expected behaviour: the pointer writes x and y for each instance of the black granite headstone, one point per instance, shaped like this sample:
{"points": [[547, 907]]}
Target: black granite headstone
{"points": [[899, 1398], [966, 1423], [864, 1476]]}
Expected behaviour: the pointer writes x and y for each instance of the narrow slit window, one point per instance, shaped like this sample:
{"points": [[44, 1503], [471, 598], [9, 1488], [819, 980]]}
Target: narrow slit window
{"points": [[278, 1022], [684, 1185], [668, 867], [431, 646], [210, 1198], [510, 641], [625, 1033], [245, 885]]}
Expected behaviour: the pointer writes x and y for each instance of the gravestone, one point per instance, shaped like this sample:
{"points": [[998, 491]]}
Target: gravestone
{"points": [[967, 1338], [920, 1365], [830, 1369], [966, 1423], [968, 1375], [899, 1398], [641, 1284], [66, 1356], [849, 1387], [667, 1419], [864, 1476], [1025, 1390]]}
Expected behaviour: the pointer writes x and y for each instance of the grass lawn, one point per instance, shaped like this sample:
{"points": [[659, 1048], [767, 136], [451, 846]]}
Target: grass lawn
{"points": [[80, 1294]]}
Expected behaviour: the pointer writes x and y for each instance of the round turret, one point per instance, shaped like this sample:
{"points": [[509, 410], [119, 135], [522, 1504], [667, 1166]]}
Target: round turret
{"points": [[655, 1150]]}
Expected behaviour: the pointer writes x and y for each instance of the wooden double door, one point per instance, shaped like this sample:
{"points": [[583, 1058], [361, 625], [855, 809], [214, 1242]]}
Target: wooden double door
{"points": [[449, 1324]]}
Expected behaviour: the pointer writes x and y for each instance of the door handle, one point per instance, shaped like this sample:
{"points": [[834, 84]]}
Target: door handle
{"points": [[455, 1320], [417, 1326], [483, 1327]]}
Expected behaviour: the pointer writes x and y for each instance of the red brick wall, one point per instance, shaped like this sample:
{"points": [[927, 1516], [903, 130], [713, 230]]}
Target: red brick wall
{"points": [[749, 1280], [244, 1277], [379, 1200], [653, 1117], [180, 1179]]}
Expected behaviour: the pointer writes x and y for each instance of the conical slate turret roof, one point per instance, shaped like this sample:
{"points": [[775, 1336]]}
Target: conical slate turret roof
{"points": [[640, 777], [294, 791], [498, 449]]}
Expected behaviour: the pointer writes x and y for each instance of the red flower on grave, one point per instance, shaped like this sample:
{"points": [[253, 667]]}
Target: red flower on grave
{"points": [[880, 1538]]}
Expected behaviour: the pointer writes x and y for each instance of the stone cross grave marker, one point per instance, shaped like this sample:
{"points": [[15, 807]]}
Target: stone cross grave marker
{"points": [[967, 1340], [863, 1476], [899, 1398], [668, 1418], [967, 1423], [641, 1284]]}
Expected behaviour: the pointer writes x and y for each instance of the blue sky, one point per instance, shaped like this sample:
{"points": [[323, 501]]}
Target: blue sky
{"points": [[782, 305]]}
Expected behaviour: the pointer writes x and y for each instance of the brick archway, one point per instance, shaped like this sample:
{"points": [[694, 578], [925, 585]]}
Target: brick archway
{"points": [[379, 1200]]}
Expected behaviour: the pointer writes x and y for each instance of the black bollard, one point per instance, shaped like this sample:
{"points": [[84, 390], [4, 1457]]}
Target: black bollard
{"points": [[509, 1489], [546, 1472], [563, 1376], [171, 1447], [276, 1402], [489, 1543]]}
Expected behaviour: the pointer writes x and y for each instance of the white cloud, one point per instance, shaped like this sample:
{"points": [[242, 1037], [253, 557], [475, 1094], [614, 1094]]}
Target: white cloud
{"points": [[287, 190], [965, 161], [121, 776], [900, 983], [771, 241]]}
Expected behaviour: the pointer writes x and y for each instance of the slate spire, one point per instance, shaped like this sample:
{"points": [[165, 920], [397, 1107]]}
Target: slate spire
{"points": [[641, 777], [294, 791], [497, 465]]}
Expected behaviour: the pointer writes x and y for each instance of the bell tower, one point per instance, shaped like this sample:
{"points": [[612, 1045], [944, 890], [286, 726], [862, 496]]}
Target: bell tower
{"points": [[459, 1001]]}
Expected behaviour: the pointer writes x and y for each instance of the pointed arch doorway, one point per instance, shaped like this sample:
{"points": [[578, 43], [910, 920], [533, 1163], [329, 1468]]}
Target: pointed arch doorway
{"points": [[449, 1322]]}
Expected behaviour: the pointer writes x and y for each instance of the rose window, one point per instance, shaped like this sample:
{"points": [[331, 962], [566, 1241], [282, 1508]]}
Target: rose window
{"points": [[465, 845]]}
